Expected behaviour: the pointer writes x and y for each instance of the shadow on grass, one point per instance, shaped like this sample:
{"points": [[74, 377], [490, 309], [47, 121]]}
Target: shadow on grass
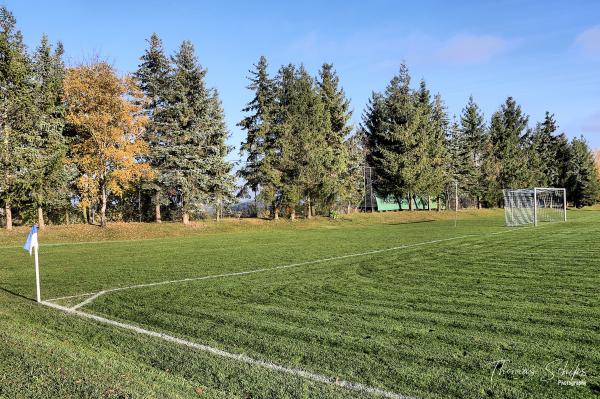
{"points": [[16, 294]]}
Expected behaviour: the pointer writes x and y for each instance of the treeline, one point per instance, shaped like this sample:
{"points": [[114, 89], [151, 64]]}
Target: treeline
{"points": [[300, 151], [83, 144], [417, 150]]}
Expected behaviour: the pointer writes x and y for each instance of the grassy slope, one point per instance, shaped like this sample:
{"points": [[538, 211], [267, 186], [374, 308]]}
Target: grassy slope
{"points": [[421, 321]]}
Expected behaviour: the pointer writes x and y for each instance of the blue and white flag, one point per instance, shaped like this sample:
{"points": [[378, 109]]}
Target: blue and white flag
{"points": [[32, 241]]}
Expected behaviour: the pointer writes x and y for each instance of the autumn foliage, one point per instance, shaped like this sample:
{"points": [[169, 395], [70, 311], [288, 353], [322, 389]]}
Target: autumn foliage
{"points": [[105, 114]]}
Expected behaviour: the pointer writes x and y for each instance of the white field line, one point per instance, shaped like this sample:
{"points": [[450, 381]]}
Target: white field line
{"points": [[88, 300], [354, 386], [95, 295]]}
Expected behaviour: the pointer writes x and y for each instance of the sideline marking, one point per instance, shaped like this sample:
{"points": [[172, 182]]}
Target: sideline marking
{"points": [[354, 386], [95, 295]]}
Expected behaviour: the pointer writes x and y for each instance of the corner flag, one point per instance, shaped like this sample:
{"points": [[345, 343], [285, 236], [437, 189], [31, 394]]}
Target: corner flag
{"points": [[32, 246], [32, 240]]}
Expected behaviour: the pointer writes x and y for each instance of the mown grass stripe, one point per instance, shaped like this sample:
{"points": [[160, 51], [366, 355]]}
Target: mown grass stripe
{"points": [[354, 386]]}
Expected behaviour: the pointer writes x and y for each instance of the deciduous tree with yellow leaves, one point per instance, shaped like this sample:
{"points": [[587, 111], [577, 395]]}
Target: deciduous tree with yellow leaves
{"points": [[104, 112]]}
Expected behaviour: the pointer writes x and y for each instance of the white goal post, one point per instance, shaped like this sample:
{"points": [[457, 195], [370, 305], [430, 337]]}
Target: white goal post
{"points": [[534, 205]]}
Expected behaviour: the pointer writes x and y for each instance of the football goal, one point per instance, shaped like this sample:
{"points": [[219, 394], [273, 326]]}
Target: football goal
{"points": [[534, 205]]}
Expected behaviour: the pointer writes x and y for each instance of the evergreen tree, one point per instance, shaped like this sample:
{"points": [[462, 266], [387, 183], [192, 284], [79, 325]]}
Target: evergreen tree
{"points": [[469, 143], [542, 153], [439, 175], [583, 187], [194, 136], [337, 114], [221, 184], [398, 135], [507, 135], [352, 183], [258, 173], [49, 174], [303, 125], [17, 127], [153, 76]]}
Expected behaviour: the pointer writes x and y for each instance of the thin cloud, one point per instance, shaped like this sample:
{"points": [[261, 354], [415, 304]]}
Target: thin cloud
{"points": [[588, 41], [472, 49], [384, 49]]}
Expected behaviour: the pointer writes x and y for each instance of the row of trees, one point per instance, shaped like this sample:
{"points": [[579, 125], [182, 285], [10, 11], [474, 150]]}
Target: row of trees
{"points": [[85, 138], [152, 145], [416, 149], [299, 148]]}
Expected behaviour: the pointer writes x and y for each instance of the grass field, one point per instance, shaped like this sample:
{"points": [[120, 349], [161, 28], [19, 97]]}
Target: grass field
{"points": [[407, 303]]}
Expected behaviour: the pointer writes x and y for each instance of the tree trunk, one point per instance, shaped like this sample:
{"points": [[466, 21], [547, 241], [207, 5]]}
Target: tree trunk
{"points": [[103, 208], [293, 214], [84, 211], [429, 202], [349, 209], [410, 204], [41, 223], [8, 212], [478, 203], [439, 204], [308, 209], [157, 217], [67, 217], [186, 218], [275, 213]]}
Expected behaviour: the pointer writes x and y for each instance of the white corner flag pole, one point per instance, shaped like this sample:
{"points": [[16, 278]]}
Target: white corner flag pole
{"points": [[37, 275], [31, 245]]}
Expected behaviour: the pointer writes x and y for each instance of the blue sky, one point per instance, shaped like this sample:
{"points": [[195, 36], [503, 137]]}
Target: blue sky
{"points": [[546, 54]]}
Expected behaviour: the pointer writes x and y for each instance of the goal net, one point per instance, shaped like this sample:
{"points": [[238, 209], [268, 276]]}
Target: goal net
{"points": [[534, 205]]}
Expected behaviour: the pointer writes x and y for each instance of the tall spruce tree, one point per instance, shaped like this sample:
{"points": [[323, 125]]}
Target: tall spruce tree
{"points": [[258, 172], [439, 175], [194, 133], [337, 113], [303, 126], [397, 128], [469, 142], [153, 76], [583, 186], [352, 179], [17, 127], [49, 172], [507, 135]]}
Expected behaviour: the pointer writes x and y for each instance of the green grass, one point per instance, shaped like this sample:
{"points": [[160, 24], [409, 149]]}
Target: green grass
{"points": [[428, 321]]}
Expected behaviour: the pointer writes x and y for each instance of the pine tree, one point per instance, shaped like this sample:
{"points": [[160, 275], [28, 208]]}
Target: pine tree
{"points": [[438, 155], [194, 136], [153, 76], [507, 135], [17, 127], [303, 125], [221, 184], [583, 187], [258, 173], [470, 141], [49, 173], [352, 183], [337, 113], [402, 138]]}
